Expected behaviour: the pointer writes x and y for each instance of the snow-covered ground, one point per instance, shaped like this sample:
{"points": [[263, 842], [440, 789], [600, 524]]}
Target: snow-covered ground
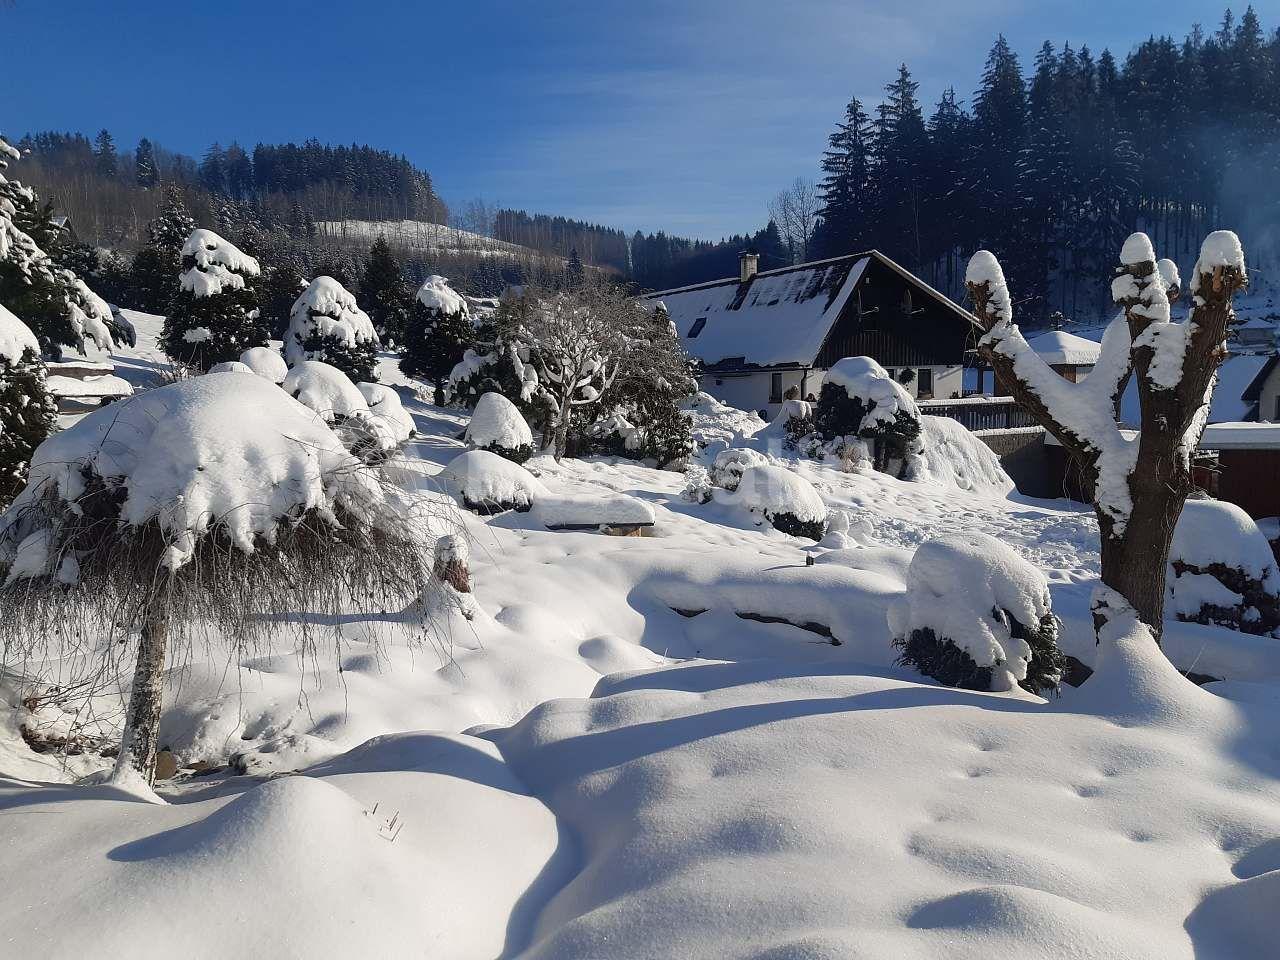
{"points": [[626, 754]]}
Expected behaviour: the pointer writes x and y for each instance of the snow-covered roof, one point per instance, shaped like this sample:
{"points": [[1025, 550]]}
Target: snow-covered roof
{"points": [[1241, 436], [778, 317], [1058, 346]]}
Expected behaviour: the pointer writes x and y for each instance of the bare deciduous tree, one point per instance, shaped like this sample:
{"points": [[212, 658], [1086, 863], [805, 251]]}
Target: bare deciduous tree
{"points": [[1141, 482], [795, 211]]}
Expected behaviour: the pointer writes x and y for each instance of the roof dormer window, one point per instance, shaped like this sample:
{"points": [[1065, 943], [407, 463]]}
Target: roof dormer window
{"points": [[697, 327]]}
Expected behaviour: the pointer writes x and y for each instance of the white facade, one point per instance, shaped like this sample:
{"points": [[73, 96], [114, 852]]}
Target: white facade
{"points": [[762, 391]]}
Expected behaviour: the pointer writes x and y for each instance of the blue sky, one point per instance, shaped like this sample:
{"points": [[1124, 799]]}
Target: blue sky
{"points": [[685, 115]]}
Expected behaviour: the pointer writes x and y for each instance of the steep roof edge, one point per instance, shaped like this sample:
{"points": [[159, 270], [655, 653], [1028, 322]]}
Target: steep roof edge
{"points": [[809, 265], [1253, 392]]}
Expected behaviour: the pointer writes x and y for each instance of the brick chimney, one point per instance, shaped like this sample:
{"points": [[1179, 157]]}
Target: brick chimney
{"points": [[748, 265]]}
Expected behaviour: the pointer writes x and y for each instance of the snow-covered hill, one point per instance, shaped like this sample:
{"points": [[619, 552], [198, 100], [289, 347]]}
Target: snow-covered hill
{"points": [[421, 237], [632, 752]]}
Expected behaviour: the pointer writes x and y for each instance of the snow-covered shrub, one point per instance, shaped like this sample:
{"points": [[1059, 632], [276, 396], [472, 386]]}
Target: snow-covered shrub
{"points": [[384, 403], [792, 430], [487, 483], [977, 615], [954, 457], [326, 324], [716, 426], [266, 363], [214, 317], [788, 501], [55, 303], [216, 502], [339, 402], [860, 400], [27, 413], [230, 366], [728, 466], [1222, 570], [497, 425], [698, 487], [437, 334]]}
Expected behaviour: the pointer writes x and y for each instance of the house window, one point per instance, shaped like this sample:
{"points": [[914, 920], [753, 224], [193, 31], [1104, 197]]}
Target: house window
{"points": [[1277, 417], [924, 385], [775, 388], [697, 327]]}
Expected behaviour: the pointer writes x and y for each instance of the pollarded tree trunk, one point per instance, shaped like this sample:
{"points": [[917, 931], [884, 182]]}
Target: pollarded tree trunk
{"points": [[139, 741]]}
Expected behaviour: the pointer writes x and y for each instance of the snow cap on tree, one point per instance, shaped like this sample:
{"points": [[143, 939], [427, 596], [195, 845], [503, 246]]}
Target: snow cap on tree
{"points": [[15, 337], [436, 294], [216, 265]]}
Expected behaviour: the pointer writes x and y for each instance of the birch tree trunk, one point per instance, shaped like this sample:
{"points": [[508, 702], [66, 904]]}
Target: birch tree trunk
{"points": [[140, 740]]}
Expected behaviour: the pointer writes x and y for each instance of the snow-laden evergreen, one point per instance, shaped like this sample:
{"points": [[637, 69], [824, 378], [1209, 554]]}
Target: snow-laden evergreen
{"points": [[326, 324], [497, 425], [438, 334], [27, 412], [784, 498], [214, 315]]}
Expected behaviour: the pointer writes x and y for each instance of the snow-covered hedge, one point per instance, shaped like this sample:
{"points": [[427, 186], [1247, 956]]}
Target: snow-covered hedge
{"points": [[1222, 569], [498, 426], [788, 501], [977, 615], [728, 466], [486, 483], [860, 400], [792, 430]]}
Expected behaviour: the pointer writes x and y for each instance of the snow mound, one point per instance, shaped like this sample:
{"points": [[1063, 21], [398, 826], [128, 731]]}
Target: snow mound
{"points": [[864, 379], [327, 309], [436, 294], [230, 366], [716, 426], [217, 264], [230, 451], [961, 587], [384, 403], [581, 512], [325, 389], [954, 457], [266, 363], [497, 422], [1213, 531], [15, 337], [487, 483]]}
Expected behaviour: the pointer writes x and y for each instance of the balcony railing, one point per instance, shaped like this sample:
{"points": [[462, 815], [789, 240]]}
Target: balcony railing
{"points": [[981, 413]]}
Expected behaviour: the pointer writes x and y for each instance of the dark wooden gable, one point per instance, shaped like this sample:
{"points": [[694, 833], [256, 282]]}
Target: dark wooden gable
{"points": [[897, 323]]}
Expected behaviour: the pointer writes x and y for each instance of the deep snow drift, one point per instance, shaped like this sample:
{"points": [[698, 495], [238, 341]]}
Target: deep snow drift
{"points": [[691, 743]]}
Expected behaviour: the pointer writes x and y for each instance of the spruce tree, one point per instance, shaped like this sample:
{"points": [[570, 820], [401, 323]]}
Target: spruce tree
{"points": [[105, 159], [326, 324], [439, 332], [384, 292], [1000, 121], [214, 315], [27, 412], [574, 270], [900, 146], [844, 188], [157, 263], [145, 172]]}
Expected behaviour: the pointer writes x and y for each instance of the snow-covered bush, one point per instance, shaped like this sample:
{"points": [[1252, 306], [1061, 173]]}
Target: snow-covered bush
{"points": [[788, 501], [953, 456], [437, 334], [326, 324], [216, 502], [339, 402], [716, 426], [728, 466], [860, 400], [55, 303], [698, 487], [230, 366], [487, 483], [1222, 570], [384, 403], [27, 412], [977, 615], [266, 363], [498, 426], [792, 430], [214, 317]]}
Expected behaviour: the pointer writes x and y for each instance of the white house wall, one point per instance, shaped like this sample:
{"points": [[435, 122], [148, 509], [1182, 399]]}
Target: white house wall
{"points": [[752, 391]]}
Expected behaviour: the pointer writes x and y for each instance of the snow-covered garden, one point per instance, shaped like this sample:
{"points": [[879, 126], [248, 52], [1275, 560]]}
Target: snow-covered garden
{"points": [[512, 644]]}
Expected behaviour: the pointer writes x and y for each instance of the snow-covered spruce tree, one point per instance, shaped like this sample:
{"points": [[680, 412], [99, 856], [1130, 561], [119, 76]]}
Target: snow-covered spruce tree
{"points": [[437, 334], [160, 260], [326, 324], [214, 315], [1224, 572], [153, 517], [27, 413], [384, 293], [1139, 484], [976, 615], [56, 304], [861, 402]]}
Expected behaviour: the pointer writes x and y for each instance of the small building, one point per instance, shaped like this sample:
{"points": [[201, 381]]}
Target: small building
{"points": [[757, 335], [1262, 395], [1256, 333], [1071, 356]]}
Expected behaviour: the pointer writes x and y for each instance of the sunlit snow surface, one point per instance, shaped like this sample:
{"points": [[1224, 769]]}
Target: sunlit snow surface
{"points": [[604, 776]]}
